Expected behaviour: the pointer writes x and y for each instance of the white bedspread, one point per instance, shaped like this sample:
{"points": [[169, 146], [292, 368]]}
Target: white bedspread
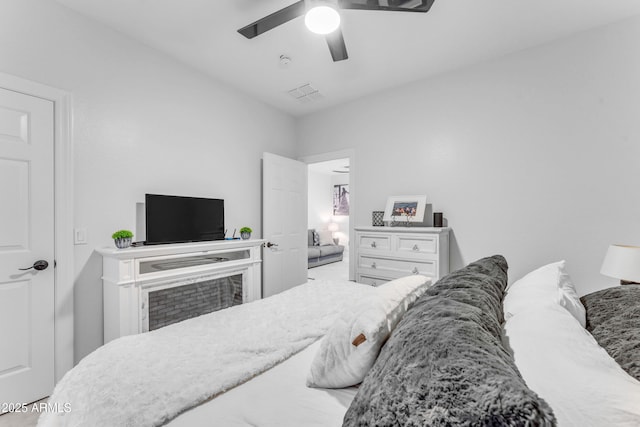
{"points": [[147, 379], [278, 397]]}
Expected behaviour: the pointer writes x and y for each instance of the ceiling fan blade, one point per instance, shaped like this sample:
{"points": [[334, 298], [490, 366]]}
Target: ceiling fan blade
{"points": [[271, 21], [389, 5], [337, 47]]}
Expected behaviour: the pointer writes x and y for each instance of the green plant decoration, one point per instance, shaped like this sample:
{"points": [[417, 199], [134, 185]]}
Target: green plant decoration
{"points": [[246, 230], [122, 234]]}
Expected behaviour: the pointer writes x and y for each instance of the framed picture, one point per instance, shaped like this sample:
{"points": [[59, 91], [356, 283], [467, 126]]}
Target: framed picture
{"points": [[405, 208], [341, 199]]}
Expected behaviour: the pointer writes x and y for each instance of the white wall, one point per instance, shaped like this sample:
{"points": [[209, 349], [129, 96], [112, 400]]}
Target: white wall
{"points": [[142, 123], [319, 200], [534, 156]]}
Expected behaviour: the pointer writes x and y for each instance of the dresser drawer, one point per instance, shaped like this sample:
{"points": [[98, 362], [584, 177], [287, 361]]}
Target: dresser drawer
{"points": [[409, 245], [374, 242], [396, 267]]}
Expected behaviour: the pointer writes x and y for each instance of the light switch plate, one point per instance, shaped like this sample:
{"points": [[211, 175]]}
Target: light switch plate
{"points": [[80, 236]]}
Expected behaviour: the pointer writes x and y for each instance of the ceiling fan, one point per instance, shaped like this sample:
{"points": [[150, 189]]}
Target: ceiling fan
{"points": [[322, 17]]}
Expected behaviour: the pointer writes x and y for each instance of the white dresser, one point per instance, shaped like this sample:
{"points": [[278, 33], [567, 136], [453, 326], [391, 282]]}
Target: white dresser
{"points": [[387, 253]]}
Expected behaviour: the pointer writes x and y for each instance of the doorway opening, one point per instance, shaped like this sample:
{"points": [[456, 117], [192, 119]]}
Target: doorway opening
{"points": [[328, 223]]}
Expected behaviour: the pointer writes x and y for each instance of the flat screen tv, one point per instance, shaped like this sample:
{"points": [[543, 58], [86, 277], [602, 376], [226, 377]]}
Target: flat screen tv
{"points": [[175, 219]]}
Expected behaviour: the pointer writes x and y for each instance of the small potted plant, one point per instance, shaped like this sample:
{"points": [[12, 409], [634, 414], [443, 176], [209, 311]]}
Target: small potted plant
{"points": [[122, 238], [245, 233]]}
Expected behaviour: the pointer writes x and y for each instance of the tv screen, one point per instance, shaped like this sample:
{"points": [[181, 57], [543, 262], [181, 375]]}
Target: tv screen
{"points": [[175, 219]]}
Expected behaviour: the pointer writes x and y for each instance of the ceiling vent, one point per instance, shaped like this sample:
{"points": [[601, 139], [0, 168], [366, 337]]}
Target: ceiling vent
{"points": [[305, 94]]}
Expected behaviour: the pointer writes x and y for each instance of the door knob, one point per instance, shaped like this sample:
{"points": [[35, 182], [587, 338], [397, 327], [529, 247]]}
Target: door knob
{"points": [[38, 265], [269, 244]]}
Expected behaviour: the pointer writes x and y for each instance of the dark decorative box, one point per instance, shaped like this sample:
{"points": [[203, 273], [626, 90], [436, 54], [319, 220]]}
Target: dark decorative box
{"points": [[377, 218]]}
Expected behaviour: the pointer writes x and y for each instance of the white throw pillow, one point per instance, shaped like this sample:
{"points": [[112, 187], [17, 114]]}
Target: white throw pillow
{"points": [[326, 237], [547, 284], [351, 346]]}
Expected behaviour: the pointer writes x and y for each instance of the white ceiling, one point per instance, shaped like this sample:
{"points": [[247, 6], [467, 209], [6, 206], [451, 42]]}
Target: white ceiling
{"points": [[385, 49]]}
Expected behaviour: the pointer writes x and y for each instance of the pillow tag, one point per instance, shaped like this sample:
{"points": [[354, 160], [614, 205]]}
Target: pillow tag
{"points": [[359, 340]]}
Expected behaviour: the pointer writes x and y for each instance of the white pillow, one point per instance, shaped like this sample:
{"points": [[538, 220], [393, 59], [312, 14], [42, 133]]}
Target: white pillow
{"points": [[538, 287], [565, 366], [549, 283], [351, 346], [326, 237]]}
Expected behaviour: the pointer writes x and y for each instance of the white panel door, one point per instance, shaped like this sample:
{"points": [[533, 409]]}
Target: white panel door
{"points": [[26, 236], [284, 223]]}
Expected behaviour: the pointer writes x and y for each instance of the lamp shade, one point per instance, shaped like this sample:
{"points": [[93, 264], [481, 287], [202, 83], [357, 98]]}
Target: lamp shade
{"points": [[622, 262], [333, 226]]}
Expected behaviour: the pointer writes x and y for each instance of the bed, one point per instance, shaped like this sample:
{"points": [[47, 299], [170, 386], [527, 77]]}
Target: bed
{"points": [[467, 350]]}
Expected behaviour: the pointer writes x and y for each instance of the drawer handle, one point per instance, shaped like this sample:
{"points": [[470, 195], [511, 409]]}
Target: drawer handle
{"points": [[415, 247], [374, 283], [373, 244], [373, 265], [415, 270]]}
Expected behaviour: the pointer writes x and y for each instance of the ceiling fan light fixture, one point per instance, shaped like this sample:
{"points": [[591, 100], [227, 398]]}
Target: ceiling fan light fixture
{"points": [[322, 19]]}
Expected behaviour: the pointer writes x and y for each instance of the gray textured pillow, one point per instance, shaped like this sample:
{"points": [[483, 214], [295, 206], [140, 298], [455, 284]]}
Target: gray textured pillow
{"points": [[613, 318], [445, 365]]}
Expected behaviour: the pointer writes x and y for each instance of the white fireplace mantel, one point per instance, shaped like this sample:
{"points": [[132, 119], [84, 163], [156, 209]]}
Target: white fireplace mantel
{"points": [[128, 275]]}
